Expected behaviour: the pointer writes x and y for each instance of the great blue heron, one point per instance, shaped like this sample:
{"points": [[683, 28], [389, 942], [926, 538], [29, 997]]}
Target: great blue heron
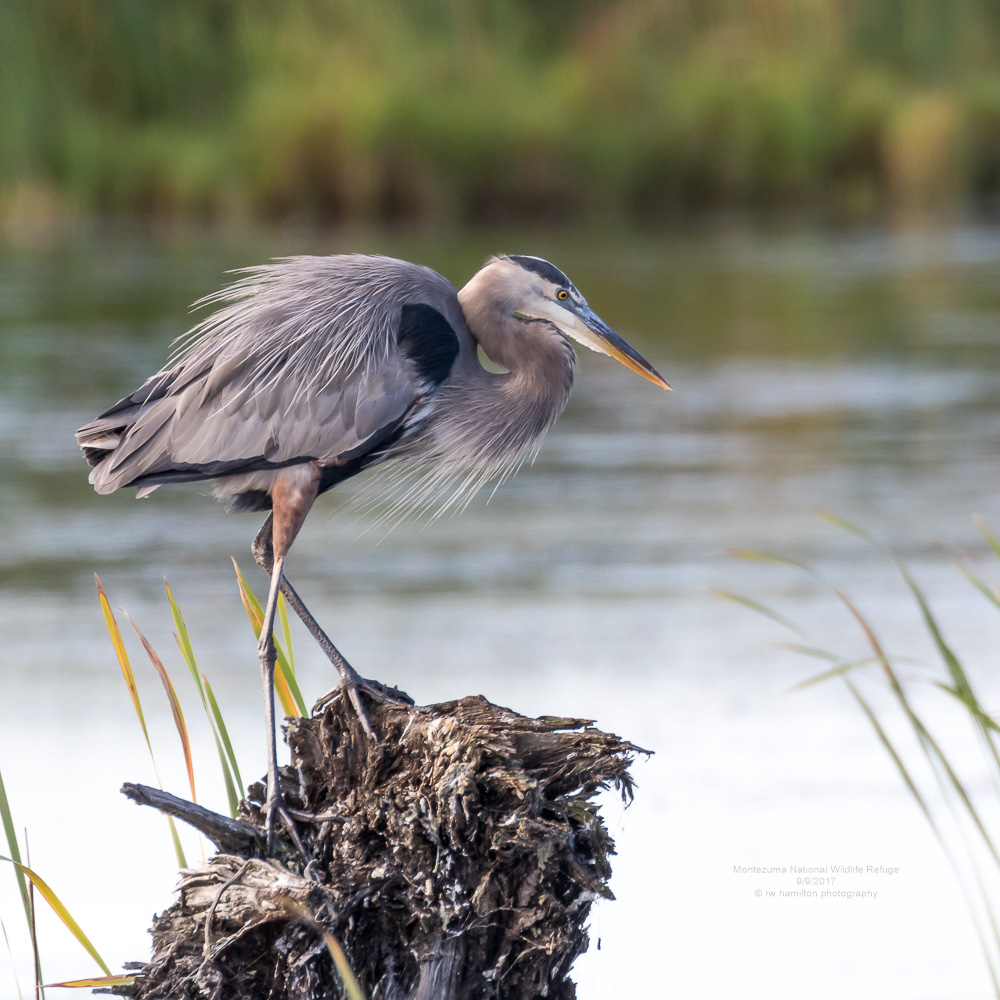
{"points": [[316, 368]]}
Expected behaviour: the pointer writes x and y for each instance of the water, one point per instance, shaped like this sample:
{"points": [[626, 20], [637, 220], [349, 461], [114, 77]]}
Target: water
{"points": [[854, 373]]}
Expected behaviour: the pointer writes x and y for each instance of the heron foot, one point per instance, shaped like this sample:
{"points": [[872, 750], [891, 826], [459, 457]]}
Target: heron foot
{"points": [[276, 809], [352, 684]]}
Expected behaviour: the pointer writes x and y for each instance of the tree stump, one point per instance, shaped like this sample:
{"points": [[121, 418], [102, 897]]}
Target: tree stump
{"points": [[455, 858]]}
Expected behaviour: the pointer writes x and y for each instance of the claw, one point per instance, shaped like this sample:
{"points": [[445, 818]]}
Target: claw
{"points": [[375, 690]]}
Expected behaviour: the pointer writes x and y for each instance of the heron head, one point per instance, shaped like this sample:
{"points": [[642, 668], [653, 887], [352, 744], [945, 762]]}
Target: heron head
{"points": [[539, 291]]}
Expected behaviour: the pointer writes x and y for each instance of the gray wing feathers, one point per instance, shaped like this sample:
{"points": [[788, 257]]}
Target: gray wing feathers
{"points": [[315, 317], [301, 363]]}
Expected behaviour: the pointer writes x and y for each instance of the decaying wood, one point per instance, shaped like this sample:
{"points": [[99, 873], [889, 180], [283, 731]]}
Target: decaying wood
{"points": [[455, 858], [226, 833]]}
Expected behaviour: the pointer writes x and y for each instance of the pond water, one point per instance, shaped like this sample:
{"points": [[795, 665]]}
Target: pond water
{"points": [[853, 373]]}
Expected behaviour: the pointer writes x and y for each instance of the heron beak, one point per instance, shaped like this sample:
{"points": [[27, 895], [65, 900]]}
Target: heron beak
{"points": [[591, 331]]}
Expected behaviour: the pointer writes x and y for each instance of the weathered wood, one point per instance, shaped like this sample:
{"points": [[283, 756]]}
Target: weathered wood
{"points": [[226, 833], [455, 858]]}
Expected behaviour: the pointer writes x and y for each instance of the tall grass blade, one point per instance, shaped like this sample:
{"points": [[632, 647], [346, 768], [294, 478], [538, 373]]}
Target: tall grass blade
{"points": [[33, 929], [963, 686], [954, 792], [761, 609], [10, 952], [286, 633], [127, 673], [285, 684], [984, 588], [840, 670], [22, 887], [925, 809], [990, 728], [214, 717], [175, 706], [991, 539], [256, 616], [754, 556], [839, 522], [934, 753], [184, 640], [813, 651], [936, 758], [232, 795], [941, 768], [896, 759], [948, 657], [12, 846], [284, 693], [351, 985], [224, 762], [175, 839], [60, 910], [123, 980], [963, 690], [123, 662], [224, 735]]}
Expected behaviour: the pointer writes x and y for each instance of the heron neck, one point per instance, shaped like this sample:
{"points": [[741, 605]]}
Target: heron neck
{"points": [[530, 394], [536, 356]]}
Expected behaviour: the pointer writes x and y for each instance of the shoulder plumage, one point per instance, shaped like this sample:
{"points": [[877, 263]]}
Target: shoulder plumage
{"points": [[313, 316]]}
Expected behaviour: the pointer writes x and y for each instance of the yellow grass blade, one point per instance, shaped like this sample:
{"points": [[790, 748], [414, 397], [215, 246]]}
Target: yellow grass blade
{"points": [[770, 557], [123, 980], [296, 703], [123, 661], [60, 910], [839, 522], [351, 985], [284, 695], [249, 598], [175, 706], [286, 632], [287, 688], [256, 615]]}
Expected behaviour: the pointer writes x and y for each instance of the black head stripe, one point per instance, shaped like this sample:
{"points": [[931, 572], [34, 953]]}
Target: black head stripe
{"points": [[542, 267]]}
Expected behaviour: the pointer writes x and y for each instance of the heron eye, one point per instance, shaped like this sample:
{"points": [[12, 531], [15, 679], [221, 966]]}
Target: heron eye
{"points": [[562, 294]]}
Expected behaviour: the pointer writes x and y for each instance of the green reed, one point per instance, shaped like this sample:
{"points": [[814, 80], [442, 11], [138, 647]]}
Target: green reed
{"points": [[935, 773], [338, 110]]}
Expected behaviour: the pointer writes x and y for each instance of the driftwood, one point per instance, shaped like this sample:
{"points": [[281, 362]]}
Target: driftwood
{"points": [[455, 858]]}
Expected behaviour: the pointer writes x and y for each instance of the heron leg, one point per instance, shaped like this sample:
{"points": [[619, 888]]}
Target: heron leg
{"points": [[268, 654], [292, 497], [350, 680]]}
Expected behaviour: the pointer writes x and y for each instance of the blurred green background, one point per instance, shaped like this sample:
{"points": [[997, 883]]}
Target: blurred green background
{"points": [[479, 111]]}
